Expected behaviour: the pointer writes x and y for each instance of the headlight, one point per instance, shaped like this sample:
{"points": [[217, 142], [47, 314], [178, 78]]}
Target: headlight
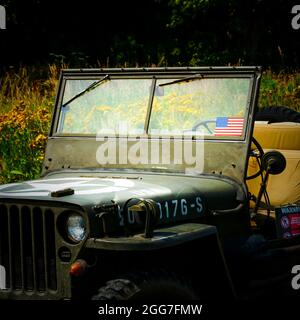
{"points": [[76, 228]]}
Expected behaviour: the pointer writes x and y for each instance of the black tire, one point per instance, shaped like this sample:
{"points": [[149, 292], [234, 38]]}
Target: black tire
{"points": [[146, 287], [277, 114]]}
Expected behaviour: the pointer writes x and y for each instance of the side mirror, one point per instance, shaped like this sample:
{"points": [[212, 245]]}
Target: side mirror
{"points": [[274, 162]]}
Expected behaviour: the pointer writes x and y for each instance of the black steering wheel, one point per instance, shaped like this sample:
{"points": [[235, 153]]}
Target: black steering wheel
{"points": [[258, 154], [204, 123]]}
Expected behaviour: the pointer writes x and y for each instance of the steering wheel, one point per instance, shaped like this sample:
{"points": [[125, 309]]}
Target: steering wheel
{"points": [[258, 154], [204, 123]]}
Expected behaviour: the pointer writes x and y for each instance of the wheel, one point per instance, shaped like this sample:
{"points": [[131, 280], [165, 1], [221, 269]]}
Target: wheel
{"points": [[277, 114], [205, 124], [258, 154], [146, 287]]}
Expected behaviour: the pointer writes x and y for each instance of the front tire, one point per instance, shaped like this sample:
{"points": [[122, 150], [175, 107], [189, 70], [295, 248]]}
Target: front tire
{"points": [[146, 287]]}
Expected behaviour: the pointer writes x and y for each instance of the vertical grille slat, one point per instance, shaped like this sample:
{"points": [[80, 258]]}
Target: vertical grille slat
{"points": [[27, 248], [39, 263], [21, 249], [15, 241], [10, 268], [4, 244], [50, 252], [33, 249], [45, 248]]}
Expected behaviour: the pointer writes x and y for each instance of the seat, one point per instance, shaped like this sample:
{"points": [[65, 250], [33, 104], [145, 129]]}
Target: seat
{"points": [[284, 137]]}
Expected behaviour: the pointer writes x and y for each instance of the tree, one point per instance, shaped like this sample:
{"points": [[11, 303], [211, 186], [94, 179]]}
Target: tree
{"points": [[233, 31]]}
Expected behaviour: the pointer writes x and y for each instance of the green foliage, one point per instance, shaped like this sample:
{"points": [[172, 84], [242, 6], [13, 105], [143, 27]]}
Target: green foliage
{"points": [[185, 9], [280, 89], [23, 136], [218, 32], [26, 102], [160, 32]]}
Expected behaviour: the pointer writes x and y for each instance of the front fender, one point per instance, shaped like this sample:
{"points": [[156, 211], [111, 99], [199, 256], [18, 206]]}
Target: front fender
{"points": [[162, 238]]}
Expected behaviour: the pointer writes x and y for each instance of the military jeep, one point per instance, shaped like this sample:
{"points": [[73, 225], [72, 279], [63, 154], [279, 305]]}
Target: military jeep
{"points": [[143, 193]]}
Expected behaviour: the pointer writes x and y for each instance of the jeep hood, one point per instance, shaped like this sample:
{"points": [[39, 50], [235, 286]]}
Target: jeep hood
{"points": [[97, 188]]}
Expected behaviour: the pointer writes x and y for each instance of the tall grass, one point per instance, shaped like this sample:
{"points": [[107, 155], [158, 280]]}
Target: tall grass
{"points": [[26, 102], [34, 87]]}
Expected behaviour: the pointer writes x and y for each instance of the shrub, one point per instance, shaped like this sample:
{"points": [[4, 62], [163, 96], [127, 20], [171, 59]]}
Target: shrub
{"points": [[23, 135], [26, 100], [280, 89]]}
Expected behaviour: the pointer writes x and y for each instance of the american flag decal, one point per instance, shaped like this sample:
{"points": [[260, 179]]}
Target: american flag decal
{"points": [[229, 126]]}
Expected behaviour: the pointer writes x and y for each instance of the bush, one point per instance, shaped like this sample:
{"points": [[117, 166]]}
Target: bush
{"points": [[280, 89], [26, 101], [23, 136]]}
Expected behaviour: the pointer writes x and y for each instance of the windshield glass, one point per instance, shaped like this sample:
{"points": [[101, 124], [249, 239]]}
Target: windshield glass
{"points": [[151, 106], [112, 107], [198, 104]]}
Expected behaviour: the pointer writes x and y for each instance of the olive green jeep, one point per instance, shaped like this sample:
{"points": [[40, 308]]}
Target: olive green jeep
{"points": [[143, 192]]}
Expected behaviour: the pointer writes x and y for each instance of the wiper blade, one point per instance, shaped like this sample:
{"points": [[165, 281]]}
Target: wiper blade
{"points": [[89, 88], [195, 77]]}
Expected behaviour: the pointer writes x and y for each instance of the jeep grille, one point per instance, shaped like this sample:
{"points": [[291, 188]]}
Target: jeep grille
{"points": [[27, 249]]}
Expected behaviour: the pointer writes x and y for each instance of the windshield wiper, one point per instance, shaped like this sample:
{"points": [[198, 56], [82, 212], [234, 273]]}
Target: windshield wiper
{"points": [[89, 88], [195, 77]]}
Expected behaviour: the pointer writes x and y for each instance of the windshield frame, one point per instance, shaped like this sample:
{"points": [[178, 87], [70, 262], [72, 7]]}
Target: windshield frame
{"points": [[79, 151], [182, 74]]}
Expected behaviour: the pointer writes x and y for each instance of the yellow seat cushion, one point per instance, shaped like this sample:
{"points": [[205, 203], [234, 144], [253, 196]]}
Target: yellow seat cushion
{"points": [[284, 137], [282, 188]]}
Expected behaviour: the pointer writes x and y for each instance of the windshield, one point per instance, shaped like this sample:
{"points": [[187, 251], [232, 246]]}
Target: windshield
{"points": [[165, 106], [159, 120]]}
